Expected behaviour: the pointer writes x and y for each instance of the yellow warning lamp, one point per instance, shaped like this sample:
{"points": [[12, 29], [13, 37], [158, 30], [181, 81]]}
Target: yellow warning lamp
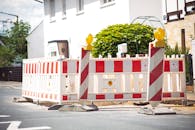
{"points": [[159, 35], [89, 40]]}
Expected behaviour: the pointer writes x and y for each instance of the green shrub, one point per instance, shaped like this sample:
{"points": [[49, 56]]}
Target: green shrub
{"points": [[137, 37]]}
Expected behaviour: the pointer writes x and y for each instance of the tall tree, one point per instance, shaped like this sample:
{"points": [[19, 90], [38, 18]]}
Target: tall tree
{"points": [[15, 44]]}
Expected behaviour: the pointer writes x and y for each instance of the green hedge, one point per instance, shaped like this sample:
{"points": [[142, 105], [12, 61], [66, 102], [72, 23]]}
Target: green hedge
{"points": [[137, 37]]}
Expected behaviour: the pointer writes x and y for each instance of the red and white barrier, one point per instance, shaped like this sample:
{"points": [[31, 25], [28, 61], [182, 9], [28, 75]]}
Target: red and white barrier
{"points": [[155, 72], [58, 80], [40, 79], [174, 78]]}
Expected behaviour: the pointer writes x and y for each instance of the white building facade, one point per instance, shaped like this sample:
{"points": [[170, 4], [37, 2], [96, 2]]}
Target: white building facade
{"points": [[73, 20]]}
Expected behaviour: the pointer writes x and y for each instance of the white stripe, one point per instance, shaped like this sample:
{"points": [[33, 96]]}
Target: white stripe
{"points": [[175, 94], [85, 61], [15, 124], [174, 65], [156, 59], [72, 66], [155, 87], [109, 96], [109, 66], [73, 97], [36, 128], [127, 96], [83, 87], [144, 65], [91, 96], [92, 66], [4, 116], [127, 65]]}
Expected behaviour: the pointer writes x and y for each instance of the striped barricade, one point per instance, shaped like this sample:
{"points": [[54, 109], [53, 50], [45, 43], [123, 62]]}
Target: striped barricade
{"points": [[69, 80], [174, 78], [118, 78], [52, 79], [41, 78]]}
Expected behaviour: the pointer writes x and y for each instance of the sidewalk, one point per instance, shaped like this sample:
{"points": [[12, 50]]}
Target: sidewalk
{"points": [[190, 96], [10, 84]]}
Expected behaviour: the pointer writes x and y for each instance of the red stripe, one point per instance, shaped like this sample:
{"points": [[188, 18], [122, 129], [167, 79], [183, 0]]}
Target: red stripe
{"points": [[29, 68], [52, 67], [180, 66], [35, 68], [46, 95], [26, 68], [64, 97], [156, 72], [77, 66], [100, 96], [136, 65], [137, 95], [166, 94], [154, 50], [43, 68], [118, 96], [84, 73], [182, 95], [118, 66], [84, 52], [47, 67], [50, 96], [64, 66], [99, 66], [157, 96], [40, 68], [166, 66], [85, 94], [32, 68], [56, 67]]}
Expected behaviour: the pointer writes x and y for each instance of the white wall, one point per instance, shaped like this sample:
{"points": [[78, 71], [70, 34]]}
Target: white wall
{"points": [[75, 27], [35, 40], [145, 8]]}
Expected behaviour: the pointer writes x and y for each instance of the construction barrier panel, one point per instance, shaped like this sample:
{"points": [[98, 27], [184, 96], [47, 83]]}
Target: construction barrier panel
{"points": [[59, 80]]}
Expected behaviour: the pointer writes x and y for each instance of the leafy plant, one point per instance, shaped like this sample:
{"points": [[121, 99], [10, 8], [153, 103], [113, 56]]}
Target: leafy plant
{"points": [[137, 37], [15, 44], [175, 51]]}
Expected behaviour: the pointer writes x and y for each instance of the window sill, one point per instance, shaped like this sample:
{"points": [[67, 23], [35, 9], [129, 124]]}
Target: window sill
{"points": [[108, 4], [80, 13], [64, 17], [52, 19]]}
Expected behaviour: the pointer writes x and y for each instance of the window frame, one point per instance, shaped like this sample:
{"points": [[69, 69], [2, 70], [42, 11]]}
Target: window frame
{"points": [[52, 9], [64, 7], [80, 6], [106, 3]]}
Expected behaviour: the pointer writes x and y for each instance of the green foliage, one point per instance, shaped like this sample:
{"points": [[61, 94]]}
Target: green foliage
{"points": [[6, 56], [15, 44], [175, 51], [136, 36]]}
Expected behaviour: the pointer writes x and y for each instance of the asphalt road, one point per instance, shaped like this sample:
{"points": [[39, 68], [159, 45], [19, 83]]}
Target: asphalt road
{"points": [[29, 116]]}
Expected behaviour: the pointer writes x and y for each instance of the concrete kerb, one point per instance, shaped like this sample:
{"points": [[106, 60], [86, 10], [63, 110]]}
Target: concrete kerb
{"points": [[11, 84]]}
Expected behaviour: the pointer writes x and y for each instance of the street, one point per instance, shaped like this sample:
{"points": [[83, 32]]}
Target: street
{"points": [[28, 116]]}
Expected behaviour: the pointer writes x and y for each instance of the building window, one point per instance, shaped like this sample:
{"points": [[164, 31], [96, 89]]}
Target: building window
{"points": [[53, 53], [64, 7], [52, 8], [80, 5], [106, 1]]}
